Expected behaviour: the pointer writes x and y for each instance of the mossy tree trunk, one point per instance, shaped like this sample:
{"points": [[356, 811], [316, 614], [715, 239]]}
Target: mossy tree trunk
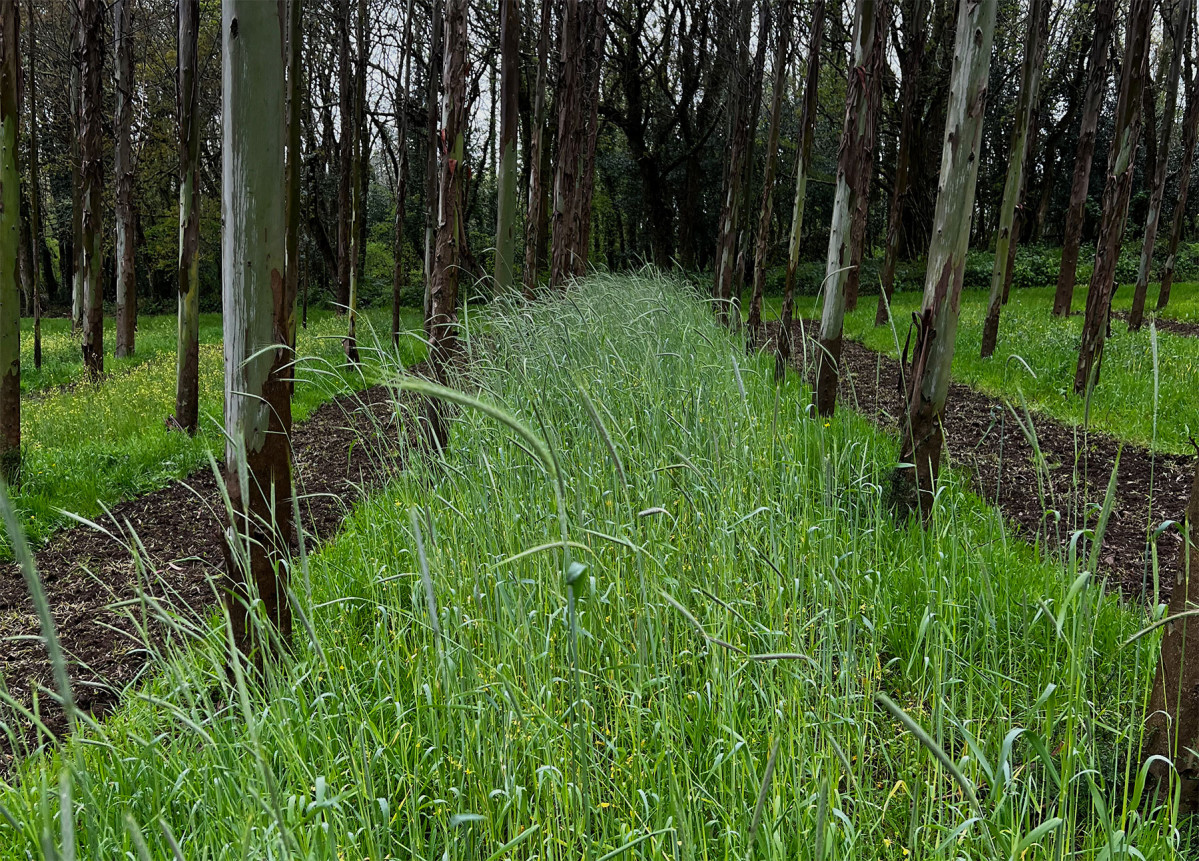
{"points": [[1101, 40], [854, 163], [782, 53], [1121, 168], [913, 482], [505, 227], [803, 165], [126, 229], [1179, 35], [1013, 188], [91, 171], [187, 367], [253, 260], [10, 239]]}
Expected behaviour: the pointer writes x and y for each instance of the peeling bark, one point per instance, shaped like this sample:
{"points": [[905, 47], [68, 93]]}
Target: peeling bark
{"points": [[1121, 166], [254, 248], [913, 483], [1084, 154], [854, 164], [187, 368], [803, 164]]}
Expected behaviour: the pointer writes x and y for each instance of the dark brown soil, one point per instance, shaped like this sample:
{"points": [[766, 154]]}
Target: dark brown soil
{"points": [[1164, 324], [348, 445], [984, 438]]}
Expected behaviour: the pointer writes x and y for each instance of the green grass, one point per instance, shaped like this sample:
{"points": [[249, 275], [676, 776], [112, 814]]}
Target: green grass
{"points": [[508, 704], [94, 444], [1029, 335]]}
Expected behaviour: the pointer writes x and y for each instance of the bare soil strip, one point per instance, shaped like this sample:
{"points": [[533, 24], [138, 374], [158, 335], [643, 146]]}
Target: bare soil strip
{"points": [[1070, 477], [1165, 324], [346, 447]]}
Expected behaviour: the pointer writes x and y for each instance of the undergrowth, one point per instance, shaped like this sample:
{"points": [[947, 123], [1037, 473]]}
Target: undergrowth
{"points": [[645, 608]]}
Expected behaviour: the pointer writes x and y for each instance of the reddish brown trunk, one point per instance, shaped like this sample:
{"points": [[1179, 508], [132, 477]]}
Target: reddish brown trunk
{"points": [[126, 310], [1116, 194], [1076, 211], [187, 384]]}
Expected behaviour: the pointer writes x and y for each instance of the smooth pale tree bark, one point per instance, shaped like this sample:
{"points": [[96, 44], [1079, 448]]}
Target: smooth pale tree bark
{"points": [[444, 346], [253, 263], [345, 156], [927, 378], [358, 172], [399, 274], [1179, 26], [1121, 167], [433, 75], [126, 230], [535, 222], [1172, 725], [1013, 188], [803, 165], [735, 173], [781, 53], [91, 171], [505, 227], [10, 240], [35, 191], [915, 22], [187, 366], [291, 168], [1190, 133], [1084, 154], [854, 163]]}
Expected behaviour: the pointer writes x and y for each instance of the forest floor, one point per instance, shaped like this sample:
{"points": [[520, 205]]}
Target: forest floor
{"points": [[107, 587], [1047, 478]]}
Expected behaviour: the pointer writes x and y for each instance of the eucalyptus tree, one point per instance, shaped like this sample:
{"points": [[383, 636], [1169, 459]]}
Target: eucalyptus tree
{"points": [[803, 166], [433, 77], [293, 41], [187, 367], [253, 261], [927, 377], [345, 157], [126, 230], [10, 239], [1190, 132], [1178, 31], [1101, 38], [359, 170], [444, 346], [399, 275], [911, 57], [35, 191], [91, 173], [1030, 81], [782, 51], [1121, 169], [536, 221], [854, 164], [505, 228]]}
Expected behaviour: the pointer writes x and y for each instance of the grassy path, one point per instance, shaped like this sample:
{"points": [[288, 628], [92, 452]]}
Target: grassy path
{"points": [[500, 671]]}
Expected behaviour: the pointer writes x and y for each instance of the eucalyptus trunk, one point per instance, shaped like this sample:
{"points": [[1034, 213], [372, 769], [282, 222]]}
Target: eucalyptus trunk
{"points": [[359, 176], [595, 36], [433, 75], [568, 173], [505, 227], [187, 367], [399, 275], [291, 170], [781, 53], [74, 99], [854, 163], [535, 222], [91, 171], [35, 195], [915, 21], [345, 157], [1121, 167], [10, 240], [1030, 82], [444, 346], [126, 230], [1190, 132], [1084, 154], [253, 262], [913, 483], [1180, 37], [1172, 725]]}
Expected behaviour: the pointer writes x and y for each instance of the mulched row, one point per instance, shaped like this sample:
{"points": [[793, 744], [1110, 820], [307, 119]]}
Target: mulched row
{"points": [[1165, 324], [984, 439], [346, 447]]}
